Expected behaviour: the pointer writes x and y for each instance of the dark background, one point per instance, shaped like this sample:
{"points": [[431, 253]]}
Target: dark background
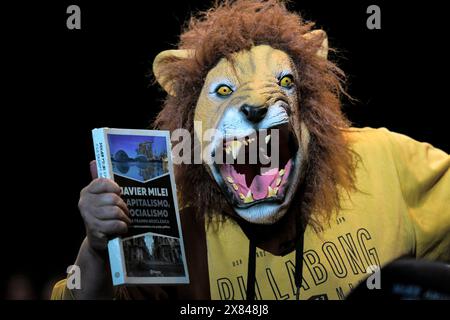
{"points": [[62, 83]]}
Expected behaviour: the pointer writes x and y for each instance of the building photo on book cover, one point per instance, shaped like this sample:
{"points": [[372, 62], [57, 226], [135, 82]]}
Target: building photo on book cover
{"points": [[151, 255], [140, 158]]}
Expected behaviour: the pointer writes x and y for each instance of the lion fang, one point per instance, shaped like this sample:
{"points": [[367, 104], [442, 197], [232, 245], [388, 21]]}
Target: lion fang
{"points": [[271, 192], [235, 147]]}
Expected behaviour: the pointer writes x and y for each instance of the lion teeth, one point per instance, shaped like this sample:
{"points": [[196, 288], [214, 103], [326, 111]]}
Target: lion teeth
{"points": [[248, 198], [235, 147], [230, 179], [277, 183], [271, 192], [281, 173], [235, 186], [267, 139]]}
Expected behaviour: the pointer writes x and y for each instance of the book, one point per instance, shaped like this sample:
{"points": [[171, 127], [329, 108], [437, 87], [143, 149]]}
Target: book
{"points": [[140, 162]]}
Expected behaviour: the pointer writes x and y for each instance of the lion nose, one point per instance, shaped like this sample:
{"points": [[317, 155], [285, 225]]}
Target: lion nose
{"points": [[254, 114]]}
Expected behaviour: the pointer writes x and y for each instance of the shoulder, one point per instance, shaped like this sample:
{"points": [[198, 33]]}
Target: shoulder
{"points": [[360, 137], [381, 140], [363, 140], [370, 142]]}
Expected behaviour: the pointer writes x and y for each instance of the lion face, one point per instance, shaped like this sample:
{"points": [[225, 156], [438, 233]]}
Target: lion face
{"points": [[251, 102]]}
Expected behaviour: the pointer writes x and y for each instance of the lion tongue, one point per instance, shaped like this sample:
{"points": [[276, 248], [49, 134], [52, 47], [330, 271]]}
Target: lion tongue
{"points": [[267, 184], [258, 187], [261, 183]]}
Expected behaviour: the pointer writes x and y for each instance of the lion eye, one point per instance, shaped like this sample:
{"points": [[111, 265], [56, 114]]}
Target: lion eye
{"points": [[286, 81], [224, 90]]}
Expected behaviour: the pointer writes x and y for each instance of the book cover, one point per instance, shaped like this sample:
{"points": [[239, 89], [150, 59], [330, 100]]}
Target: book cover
{"points": [[152, 252]]}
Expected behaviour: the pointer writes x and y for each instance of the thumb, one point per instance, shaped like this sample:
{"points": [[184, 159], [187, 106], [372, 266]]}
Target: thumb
{"points": [[93, 168]]}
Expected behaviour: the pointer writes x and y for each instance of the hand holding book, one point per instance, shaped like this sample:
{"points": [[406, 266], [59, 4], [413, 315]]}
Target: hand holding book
{"points": [[92, 257], [104, 212]]}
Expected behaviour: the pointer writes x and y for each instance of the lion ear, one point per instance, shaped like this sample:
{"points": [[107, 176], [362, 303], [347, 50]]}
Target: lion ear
{"points": [[319, 34], [161, 61]]}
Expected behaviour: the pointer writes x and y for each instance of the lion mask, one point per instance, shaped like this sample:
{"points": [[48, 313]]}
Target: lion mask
{"points": [[260, 96]]}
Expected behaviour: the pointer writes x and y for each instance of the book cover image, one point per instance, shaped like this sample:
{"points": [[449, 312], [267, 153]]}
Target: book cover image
{"points": [[140, 162]]}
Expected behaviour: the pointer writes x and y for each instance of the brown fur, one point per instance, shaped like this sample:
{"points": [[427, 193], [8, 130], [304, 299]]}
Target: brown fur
{"points": [[232, 26]]}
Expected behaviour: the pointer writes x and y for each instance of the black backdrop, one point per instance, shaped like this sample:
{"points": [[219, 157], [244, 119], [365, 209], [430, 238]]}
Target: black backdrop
{"points": [[62, 83]]}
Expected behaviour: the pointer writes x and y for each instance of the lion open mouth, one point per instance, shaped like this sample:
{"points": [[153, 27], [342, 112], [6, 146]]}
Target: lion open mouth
{"points": [[252, 172]]}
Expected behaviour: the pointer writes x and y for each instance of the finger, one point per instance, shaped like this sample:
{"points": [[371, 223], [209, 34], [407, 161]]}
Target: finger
{"points": [[112, 199], [103, 185], [112, 227], [121, 204], [112, 213], [93, 169], [107, 199]]}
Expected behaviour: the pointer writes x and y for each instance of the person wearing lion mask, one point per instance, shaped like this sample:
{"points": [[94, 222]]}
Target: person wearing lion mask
{"points": [[339, 201]]}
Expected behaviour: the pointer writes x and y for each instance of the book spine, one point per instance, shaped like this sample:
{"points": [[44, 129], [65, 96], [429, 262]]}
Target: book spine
{"points": [[104, 165], [116, 261], [104, 170]]}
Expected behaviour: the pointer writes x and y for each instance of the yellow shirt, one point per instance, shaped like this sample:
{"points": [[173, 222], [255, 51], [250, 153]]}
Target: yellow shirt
{"points": [[402, 208]]}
